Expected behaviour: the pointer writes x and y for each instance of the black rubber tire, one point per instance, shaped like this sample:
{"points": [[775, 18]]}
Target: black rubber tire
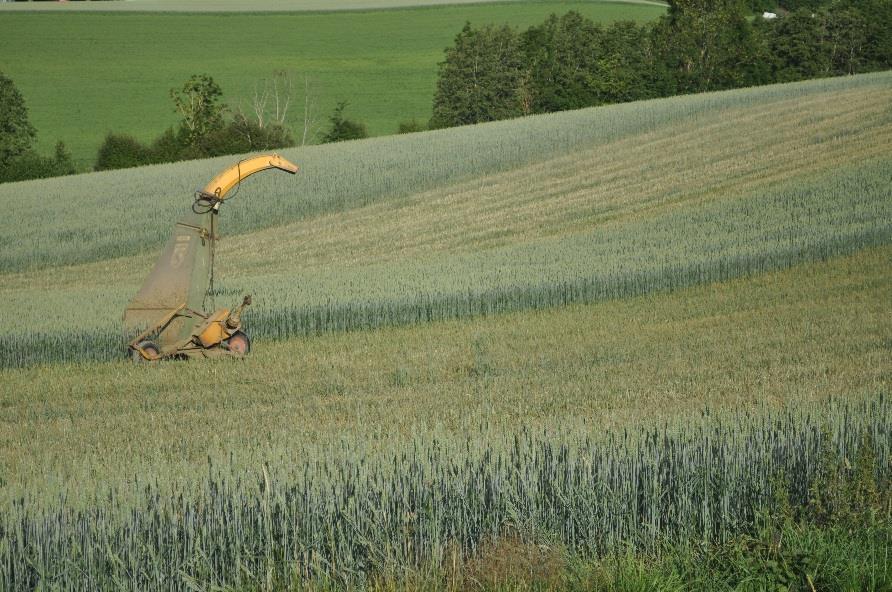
{"points": [[239, 343], [148, 347]]}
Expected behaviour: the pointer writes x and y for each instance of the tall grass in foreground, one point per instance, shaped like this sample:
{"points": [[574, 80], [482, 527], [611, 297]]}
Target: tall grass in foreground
{"points": [[361, 515]]}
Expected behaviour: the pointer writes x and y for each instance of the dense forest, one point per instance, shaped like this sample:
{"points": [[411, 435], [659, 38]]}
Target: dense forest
{"points": [[571, 62]]}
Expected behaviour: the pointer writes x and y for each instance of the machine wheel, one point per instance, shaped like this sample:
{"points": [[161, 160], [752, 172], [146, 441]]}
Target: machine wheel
{"points": [[147, 346], [239, 343]]}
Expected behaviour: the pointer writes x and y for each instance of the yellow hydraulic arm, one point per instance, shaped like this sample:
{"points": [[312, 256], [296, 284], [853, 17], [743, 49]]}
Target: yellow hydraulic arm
{"points": [[225, 181], [173, 300]]}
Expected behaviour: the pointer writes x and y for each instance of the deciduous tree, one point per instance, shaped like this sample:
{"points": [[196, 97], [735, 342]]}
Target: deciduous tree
{"points": [[16, 132], [481, 79], [797, 42], [563, 55], [343, 128], [198, 103], [707, 45]]}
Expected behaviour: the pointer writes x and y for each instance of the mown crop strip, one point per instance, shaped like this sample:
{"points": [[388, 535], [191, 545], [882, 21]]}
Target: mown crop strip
{"points": [[99, 216], [834, 215]]}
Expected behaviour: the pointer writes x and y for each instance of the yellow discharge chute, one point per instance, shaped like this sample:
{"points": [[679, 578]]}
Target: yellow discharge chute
{"points": [[167, 316]]}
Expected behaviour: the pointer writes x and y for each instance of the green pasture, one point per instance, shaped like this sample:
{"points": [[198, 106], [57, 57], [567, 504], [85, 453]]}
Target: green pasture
{"points": [[85, 74], [255, 5]]}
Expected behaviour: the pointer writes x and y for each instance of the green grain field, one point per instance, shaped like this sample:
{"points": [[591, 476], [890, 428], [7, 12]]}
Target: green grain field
{"points": [[85, 74], [628, 331]]}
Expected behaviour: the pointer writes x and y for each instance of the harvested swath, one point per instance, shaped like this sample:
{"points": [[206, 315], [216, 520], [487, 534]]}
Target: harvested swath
{"points": [[445, 225], [792, 335], [99, 216], [836, 214], [714, 242]]}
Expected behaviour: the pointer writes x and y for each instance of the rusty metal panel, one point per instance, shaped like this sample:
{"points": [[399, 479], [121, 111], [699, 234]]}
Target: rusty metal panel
{"points": [[181, 276]]}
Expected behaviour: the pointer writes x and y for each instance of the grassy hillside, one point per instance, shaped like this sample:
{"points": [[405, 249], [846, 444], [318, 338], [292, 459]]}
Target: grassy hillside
{"points": [[396, 454], [625, 333], [634, 198], [382, 62], [801, 335]]}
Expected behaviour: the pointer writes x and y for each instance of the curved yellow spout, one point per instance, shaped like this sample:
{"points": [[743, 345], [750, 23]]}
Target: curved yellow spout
{"points": [[225, 181]]}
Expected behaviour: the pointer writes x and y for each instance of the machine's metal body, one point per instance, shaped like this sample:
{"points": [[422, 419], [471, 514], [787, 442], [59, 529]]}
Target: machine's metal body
{"points": [[169, 315]]}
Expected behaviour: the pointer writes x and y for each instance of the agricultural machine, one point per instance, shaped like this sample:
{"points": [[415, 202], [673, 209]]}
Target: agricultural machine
{"points": [[169, 315]]}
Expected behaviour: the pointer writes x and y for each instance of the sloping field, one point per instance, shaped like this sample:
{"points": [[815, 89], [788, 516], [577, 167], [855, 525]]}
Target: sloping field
{"points": [[532, 213], [800, 335], [383, 62], [693, 317], [618, 426]]}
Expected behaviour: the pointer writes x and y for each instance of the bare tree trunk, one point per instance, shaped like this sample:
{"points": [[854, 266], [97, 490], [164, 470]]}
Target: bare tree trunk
{"points": [[272, 100], [283, 88], [310, 116], [259, 102]]}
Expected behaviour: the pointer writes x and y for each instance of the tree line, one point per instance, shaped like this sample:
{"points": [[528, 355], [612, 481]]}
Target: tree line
{"points": [[497, 72], [18, 159], [570, 62], [207, 127]]}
